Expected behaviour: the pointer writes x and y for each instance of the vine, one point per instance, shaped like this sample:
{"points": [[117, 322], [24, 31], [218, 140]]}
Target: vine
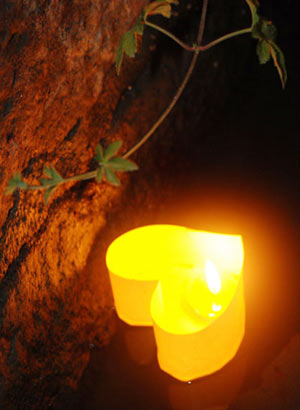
{"points": [[108, 162]]}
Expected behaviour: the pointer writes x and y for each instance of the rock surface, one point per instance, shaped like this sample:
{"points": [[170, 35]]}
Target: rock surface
{"points": [[57, 95]]}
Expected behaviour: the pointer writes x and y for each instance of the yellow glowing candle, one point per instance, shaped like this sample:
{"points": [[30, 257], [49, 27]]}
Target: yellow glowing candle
{"points": [[188, 285], [136, 261]]}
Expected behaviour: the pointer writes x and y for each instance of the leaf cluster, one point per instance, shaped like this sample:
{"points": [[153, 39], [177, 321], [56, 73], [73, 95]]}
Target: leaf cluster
{"points": [[265, 32], [16, 182], [162, 7], [51, 182], [109, 163], [128, 41]]}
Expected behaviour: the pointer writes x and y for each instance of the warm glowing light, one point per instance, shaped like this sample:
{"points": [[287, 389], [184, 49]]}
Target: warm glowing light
{"points": [[136, 261], [212, 278], [187, 284], [216, 308]]}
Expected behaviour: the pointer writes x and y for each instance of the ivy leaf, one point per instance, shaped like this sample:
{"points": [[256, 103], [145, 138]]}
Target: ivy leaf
{"points": [[263, 51], [139, 27], [266, 34], [111, 177], [99, 174], [109, 163], [99, 153], [14, 183], [264, 29], [128, 46], [279, 62], [162, 7], [253, 5], [111, 150], [122, 164], [56, 176], [128, 43], [155, 8], [268, 29], [47, 182], [51, 172], [50, 183], [47, 193], [47, 171]]}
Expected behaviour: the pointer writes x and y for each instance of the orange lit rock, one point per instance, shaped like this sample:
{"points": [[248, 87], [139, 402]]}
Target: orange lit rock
{"points": [[58, 90]]}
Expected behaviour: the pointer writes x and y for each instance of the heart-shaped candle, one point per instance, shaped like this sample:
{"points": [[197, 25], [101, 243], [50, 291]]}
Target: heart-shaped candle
{"points": [[188, 285]]}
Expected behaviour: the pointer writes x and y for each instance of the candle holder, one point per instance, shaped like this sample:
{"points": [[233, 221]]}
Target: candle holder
{"points": [[188, 285]]}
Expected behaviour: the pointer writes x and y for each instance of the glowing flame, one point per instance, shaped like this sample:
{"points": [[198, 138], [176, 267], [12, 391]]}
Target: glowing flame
{"points": [[216, 308], [212, 278]]}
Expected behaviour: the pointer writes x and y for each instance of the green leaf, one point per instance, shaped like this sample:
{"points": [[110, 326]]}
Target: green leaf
{"points": [[14, 183], [162, 7], [165, 10], [55, 175], [128, 46], [99, 153], [155, 8], [268, 30], [53, 179], [264, 29], [263, 51], [279, 62], [111, 177], [47, 182], [129, 43], [122, 164], [111, 150], [99, 174], [139, 27], [266, 33], [47, 171], [119, 56], [51, 173], [47, 194]]}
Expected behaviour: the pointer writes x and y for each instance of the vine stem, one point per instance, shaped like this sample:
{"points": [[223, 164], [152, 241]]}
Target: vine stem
{"points": [[200, 48], [167, 33], [196, 49], [80, 177], [180, 89], [225, 37]]}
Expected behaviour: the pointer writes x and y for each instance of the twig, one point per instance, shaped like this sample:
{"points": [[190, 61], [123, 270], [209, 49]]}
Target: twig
{"points": [[202, 22], [80, 177], [167, 33], [226, 37], [200, 48]]}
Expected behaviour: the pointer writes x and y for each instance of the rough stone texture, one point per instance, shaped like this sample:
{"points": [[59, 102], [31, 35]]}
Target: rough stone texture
{"points": [[57, 94]]}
